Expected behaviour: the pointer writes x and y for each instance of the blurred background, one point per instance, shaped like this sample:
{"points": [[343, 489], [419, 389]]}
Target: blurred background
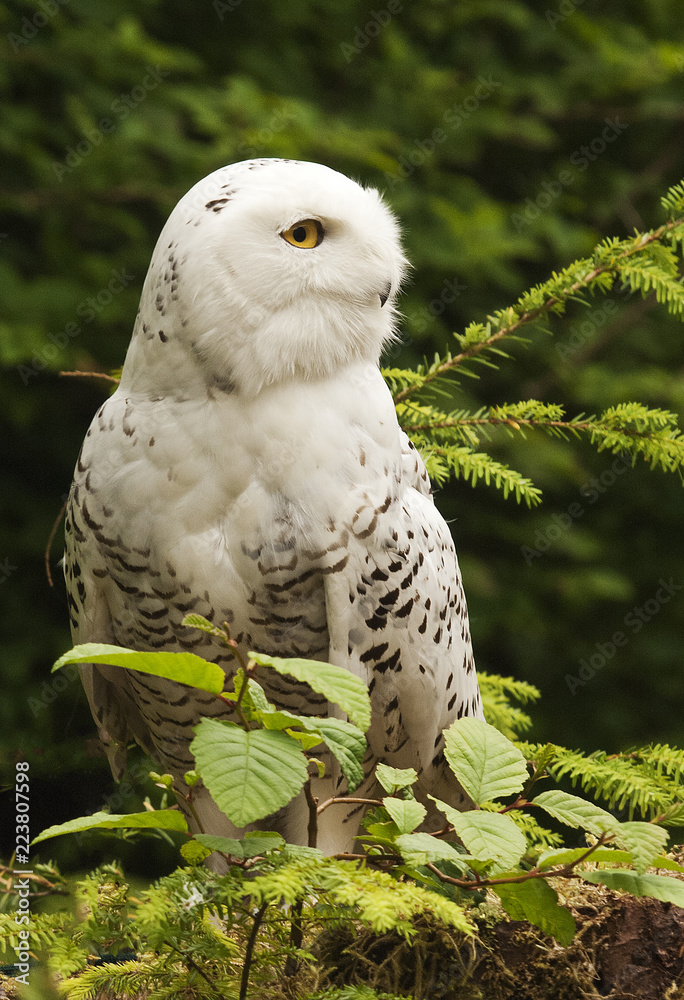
{"points": [[509, 137]]}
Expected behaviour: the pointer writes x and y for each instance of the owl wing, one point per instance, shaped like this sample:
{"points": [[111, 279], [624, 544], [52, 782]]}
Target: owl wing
{"points": [[111, 703], [397, 617]]}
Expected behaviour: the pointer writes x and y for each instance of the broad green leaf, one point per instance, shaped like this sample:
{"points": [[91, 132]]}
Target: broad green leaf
{"points": [[407, 814], [487, 765], [665, 887], [159, 819], [249, 847], [334, 683], [602, 855], [419, 848], [644, 840], [249, 774], [664, 862], [487, 835], [536, 902], [344, 740], [347, 744], [185, 668], [307, 741], [577, 812], [393, 778]]}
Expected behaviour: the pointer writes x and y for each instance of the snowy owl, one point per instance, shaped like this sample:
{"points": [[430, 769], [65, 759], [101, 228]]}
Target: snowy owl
{"points": [[250, 468]]}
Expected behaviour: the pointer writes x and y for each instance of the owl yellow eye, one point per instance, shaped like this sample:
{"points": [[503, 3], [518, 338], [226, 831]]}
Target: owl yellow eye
{"points": [[305, 234]]}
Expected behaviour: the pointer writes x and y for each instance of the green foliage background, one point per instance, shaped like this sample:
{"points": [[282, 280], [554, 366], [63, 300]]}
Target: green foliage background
{"points": [[110, 111]]}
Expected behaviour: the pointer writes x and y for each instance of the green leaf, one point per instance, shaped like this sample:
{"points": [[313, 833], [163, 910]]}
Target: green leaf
{"points": [[185, 668], [407, 814], [394, 778], [249, 774], [645, 841], [252, 844], [576, 812], [344, 740], [334, 683], [487, 835], [537, 902], [665, 887], [487, 765], [159, 819], [419, 848], [347, 744], [200, 622], [603, 855]]}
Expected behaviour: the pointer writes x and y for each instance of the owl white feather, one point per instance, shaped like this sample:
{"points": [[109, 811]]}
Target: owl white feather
{"points": [[250, 468]]}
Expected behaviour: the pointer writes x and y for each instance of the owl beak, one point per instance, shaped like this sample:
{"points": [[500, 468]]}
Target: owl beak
{"points": [[384, 295]]}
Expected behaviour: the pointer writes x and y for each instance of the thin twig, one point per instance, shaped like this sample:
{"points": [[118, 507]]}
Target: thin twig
{"points": [[566, 871], [104, 375], [50, 540], [347, 798], [244, 982]]}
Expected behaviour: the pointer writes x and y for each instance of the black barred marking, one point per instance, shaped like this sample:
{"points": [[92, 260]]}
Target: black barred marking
{"points": [[449, 682], [100, 573], [92, 524], [376, 622], [452, 702], [390, 664], [437, 637], [391, 597], [423, 625], [162, 336], [380, 575], [187, 605], [374, 653], [404, 611], [129, 567], [394, 704]]}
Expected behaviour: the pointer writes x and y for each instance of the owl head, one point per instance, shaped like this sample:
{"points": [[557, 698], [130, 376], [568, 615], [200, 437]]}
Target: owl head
{"points": [[266, 271]]}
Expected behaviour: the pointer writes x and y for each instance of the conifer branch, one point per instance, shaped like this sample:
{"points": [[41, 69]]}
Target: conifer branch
{"points": [[611, 259]]}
